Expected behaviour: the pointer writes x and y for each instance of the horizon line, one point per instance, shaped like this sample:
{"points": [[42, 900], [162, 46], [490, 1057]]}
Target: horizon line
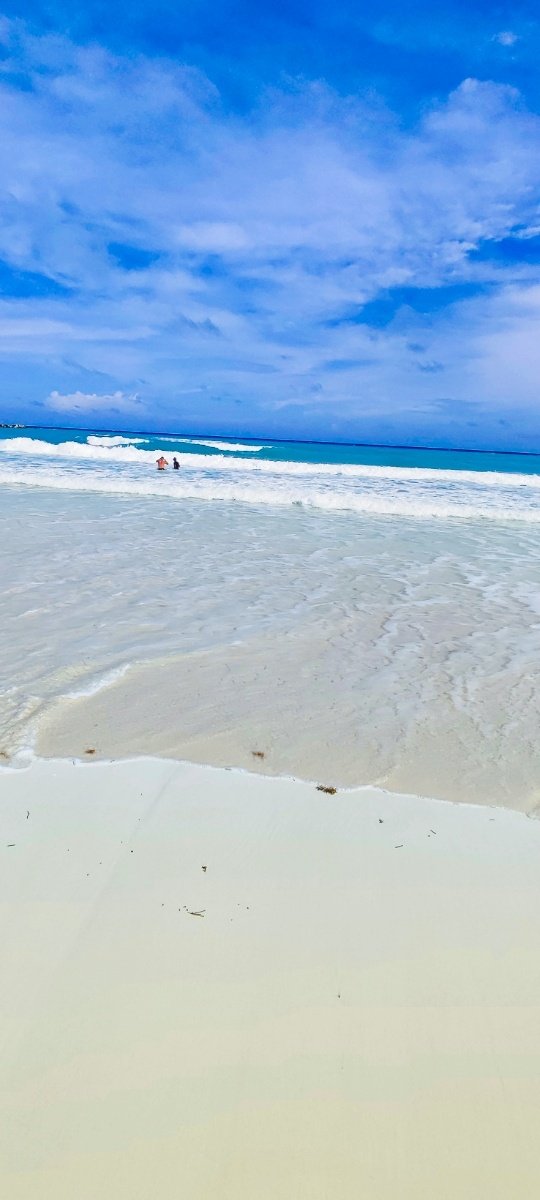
{"points": [[278, 441]]}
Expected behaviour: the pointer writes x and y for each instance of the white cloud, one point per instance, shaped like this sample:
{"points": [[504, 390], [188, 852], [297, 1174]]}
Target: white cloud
{"points": [[91, 402], [506, 38], [216, 237]]}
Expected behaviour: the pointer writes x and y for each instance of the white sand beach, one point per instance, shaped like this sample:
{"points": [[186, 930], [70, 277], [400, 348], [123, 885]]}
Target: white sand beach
{"points": [[221, 985]]}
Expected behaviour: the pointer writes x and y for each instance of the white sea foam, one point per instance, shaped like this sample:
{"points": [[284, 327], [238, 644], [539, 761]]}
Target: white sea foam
{"points": [[385, 501], [94, 440], [91, 687], [91, 450], [230, 447]]}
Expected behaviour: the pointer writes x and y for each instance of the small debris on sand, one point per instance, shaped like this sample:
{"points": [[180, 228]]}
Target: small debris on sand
{"points": [[400, 847], [90, 751], [27, 813], [203, 868], [330, 791], [4, 755], [10, 844], [193, 912], [258, 753], [381, 822]]}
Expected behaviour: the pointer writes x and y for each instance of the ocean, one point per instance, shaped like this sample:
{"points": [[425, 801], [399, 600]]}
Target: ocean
{"points": [[364, 479], [360, 615]]}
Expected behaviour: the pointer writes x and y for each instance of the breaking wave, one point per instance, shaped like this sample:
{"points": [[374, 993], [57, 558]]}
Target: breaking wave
{"points": [[230, 447], [102, 440]]}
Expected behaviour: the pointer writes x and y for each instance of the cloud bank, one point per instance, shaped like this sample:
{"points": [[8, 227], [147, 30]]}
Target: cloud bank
{"points": [[116, 403]]}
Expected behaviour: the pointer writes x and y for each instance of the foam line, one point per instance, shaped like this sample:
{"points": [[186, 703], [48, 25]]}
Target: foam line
{"points": [[276, 491], [230, 447], [94, 440]]}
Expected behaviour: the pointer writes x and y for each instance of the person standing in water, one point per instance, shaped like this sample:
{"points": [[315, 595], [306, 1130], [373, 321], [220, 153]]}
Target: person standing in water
{"points": [[161, 463], [176, 464]]}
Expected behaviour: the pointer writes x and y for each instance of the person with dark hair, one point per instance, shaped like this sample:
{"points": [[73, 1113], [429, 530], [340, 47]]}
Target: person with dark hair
{"points": [[176, 464]]}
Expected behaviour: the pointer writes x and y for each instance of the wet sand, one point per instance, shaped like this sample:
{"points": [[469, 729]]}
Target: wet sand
{"points": [[314, 720], [344, 1003]]}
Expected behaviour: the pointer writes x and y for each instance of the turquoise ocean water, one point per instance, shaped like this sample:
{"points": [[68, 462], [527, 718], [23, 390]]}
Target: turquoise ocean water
{"points": [[303, 452]]}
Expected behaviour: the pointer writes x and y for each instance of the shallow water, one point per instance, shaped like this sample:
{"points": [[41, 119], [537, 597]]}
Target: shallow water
{"points": [[364, 649]]}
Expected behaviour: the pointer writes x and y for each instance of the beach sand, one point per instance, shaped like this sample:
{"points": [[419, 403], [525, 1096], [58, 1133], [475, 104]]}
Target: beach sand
{"points": [[355, 1013]]}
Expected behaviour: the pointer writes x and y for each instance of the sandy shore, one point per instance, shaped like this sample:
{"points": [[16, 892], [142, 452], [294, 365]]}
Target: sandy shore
{"points": [[354, 1013]]}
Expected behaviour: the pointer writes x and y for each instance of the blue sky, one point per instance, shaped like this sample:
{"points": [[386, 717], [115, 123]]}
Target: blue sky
{"points": [[300, 219]]}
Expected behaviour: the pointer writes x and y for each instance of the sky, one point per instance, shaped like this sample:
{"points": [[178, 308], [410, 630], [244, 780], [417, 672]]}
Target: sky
{"points": [[299, 220]]}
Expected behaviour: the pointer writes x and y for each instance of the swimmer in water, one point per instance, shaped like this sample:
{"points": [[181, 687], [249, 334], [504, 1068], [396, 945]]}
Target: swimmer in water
{"points": [[176, 464], [161, 463]]}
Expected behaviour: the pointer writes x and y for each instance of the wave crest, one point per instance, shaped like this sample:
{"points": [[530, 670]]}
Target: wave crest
{"points": [[102, 440], [230, 447]]}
